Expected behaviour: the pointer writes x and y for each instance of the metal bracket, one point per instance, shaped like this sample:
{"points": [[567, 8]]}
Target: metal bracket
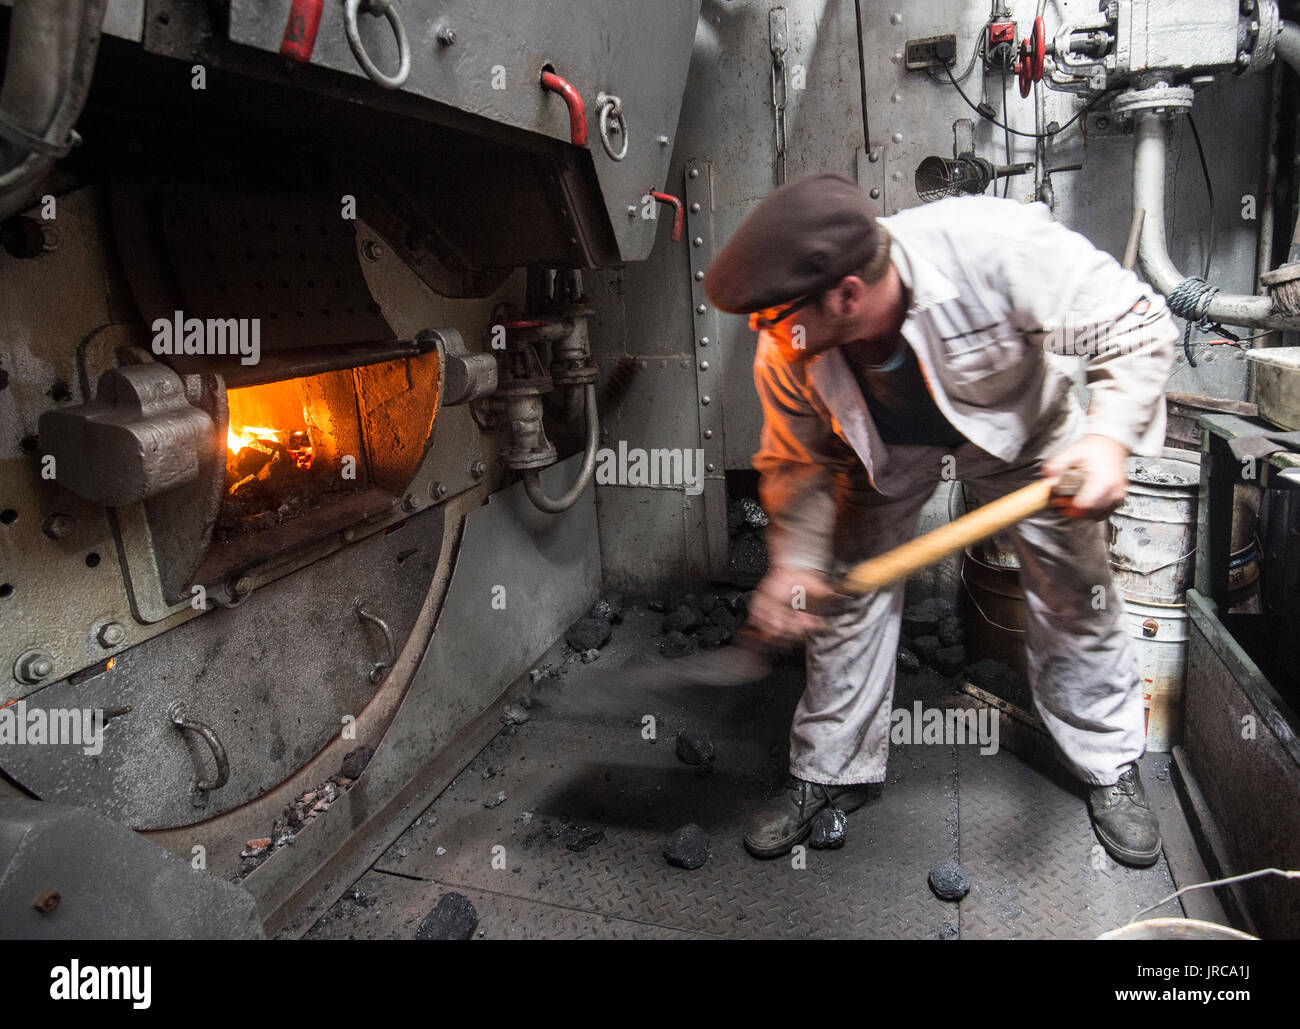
{"points": [[707, 355]]}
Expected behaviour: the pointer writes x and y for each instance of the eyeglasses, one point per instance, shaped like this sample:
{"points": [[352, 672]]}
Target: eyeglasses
{"points": [[759, 324]]}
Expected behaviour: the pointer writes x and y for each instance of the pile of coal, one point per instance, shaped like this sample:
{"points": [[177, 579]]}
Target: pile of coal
{"points": [[588, 634], [704, 619], [1002, 681], [948, 881], [829, 829], [745, 524], [454, 918], [302, 809], [688, 847], [695, 747], [933, 638]]}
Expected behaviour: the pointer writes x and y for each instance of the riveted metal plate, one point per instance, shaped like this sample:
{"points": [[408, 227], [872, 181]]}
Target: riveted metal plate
{"points": [[706, 347]]}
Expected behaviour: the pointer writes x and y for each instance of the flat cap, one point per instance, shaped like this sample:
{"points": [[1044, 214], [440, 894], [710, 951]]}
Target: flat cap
{"points": [[801, 239]]}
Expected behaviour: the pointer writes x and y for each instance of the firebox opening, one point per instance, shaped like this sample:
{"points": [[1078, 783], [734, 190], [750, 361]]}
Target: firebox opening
{"points": [[308, 457], [291, 447]]}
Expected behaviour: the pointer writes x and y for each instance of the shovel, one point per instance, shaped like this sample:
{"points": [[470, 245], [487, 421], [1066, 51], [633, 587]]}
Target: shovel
{"points": [[751, 658]]}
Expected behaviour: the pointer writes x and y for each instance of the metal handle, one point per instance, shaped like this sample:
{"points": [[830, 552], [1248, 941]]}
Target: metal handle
{"points": [[177, 715], [377, 672], [351, 8]]}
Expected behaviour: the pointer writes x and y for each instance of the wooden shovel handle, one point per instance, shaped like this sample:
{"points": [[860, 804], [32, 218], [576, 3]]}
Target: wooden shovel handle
{"points": [[934, 546]]}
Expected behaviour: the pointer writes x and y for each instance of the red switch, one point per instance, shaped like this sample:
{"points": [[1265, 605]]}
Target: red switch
{"points": [[1002, 32]]}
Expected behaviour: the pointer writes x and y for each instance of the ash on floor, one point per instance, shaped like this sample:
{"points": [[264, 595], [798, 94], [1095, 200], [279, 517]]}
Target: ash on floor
{"points": [[594, 787]]}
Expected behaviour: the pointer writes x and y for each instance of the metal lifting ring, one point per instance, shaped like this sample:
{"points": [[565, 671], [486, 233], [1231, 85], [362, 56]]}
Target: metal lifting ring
{"points": [[612, 120], [351, 8]]}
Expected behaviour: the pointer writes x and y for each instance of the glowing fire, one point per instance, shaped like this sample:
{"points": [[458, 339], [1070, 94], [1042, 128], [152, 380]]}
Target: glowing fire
{"points": [[275, 414], [239, 437]]}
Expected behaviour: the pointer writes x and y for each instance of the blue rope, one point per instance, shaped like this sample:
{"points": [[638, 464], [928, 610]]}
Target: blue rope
{"points": [[1190, 300]]}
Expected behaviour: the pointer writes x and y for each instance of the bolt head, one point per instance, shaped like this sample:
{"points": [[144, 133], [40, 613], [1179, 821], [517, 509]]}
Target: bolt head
{"points": [[694, 173], [447, 36], [111, 634], [58, 526], [698, 241], [411, 502], [46, 901], [372, 249], [478, 469], [33, 667], [875, 192]]}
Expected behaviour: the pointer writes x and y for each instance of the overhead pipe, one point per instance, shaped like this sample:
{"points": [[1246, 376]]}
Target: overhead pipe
{"points": [[532, 477], [47, 75], [552, 83], [1153, 253]]}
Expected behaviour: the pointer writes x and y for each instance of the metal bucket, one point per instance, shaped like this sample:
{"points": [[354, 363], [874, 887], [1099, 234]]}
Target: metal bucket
{"points": [[1153, 533], [1175, 929], [1160, 634], [995, 611]]}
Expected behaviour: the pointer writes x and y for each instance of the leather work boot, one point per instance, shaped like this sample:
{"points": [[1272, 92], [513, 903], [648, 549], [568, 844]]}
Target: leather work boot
{"points": [[1123, 820], [787, 819]]}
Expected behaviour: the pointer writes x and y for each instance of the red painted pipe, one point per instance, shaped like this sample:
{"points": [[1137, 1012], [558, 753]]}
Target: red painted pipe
{"points": [[668, 198], [552, 83], [300, 31]]}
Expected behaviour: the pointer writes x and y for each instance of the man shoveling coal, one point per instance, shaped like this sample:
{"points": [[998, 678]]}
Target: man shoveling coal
{"points": [[896, 353]]}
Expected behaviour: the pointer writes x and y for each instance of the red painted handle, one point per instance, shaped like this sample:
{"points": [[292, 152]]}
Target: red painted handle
{"points": [[552, 83], [300, 31], [668, 198]]}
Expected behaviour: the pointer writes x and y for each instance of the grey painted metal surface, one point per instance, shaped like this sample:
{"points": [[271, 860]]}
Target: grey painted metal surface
{"points": [[112, 883], [275, 678], [549, 566], [636, 51]]}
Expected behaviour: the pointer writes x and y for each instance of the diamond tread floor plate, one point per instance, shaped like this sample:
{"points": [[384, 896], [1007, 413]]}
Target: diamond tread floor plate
{"points": [[575, 848], [1035, 866]]}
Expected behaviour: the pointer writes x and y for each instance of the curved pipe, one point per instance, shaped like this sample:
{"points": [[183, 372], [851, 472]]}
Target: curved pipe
{"points": [[532, 478], [1287, 46], [552, 83], [1153, 253], [668, 198]]}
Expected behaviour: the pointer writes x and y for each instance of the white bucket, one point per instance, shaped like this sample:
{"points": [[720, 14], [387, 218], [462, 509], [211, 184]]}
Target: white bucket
{"points": [[1160, 634]]}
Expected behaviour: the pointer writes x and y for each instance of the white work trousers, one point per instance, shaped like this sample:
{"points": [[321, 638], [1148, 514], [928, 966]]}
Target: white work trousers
{"points": [[1082, 665]]}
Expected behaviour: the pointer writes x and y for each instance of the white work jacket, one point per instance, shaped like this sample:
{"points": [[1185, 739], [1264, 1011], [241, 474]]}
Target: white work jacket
{"points": [[996, 288]]}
